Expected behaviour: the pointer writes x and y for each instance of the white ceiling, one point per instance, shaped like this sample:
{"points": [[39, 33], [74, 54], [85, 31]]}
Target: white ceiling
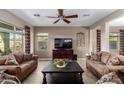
{"points": [[117, 22], [28, 16]]}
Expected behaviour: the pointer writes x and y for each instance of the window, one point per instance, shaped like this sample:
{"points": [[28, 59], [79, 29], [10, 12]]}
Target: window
{"points": [[42, 40], [10, 40], [6, 42], [1, 42], [114, 42], [18, 42]]}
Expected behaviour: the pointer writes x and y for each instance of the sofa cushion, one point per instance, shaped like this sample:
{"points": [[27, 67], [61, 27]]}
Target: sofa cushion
{"points": [[28, 57], [95, 56], [99, 67], [105, 57], [19, 57], [24, 68], [27, 65], [121, 58], [32, 63], [2, 60]]}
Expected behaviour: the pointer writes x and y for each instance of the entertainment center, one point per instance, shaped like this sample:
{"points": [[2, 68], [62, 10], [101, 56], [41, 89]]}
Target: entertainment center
{"points": [[63, 48], [63, 54]]}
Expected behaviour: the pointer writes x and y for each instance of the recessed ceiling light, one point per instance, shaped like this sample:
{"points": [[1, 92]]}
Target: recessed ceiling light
{"points": [[86, 15], [37, 15]]}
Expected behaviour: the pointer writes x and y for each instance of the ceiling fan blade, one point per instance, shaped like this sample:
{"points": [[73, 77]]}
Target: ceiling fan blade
{"points": [[67, 21], [51, 17], [56, 21], [60, 12], [71, 16]]}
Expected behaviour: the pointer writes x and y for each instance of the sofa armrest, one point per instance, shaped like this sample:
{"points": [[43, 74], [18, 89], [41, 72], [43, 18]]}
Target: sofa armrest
{"points": [[116, 68], [35, 57], [12, 70]]}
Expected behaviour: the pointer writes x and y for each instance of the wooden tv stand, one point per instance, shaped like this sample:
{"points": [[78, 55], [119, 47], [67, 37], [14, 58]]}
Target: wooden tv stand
{"points": [[63, 54]]}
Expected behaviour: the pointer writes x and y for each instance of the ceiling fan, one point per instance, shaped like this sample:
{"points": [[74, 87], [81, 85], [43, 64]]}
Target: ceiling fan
{"points": [[61, 16]]}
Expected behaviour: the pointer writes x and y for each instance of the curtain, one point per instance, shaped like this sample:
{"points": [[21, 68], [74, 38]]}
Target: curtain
{"points": [[27, 39], [121, 42], [98, 40]]}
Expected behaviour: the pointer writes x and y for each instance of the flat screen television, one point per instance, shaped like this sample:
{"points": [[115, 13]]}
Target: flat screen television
{"points": [[63, 43]]}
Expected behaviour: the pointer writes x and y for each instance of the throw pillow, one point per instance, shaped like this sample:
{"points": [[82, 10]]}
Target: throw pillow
{"points": [[28, 57], [19, 57], [110, 77], [109, 83], [95, 56], [6, 78], [113, 61], [106, 78], [7, 81], [105, 57], [1, 73], [11, 60], [121, 59]]}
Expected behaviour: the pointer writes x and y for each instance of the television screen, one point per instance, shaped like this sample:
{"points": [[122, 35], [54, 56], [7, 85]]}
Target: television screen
{"points": [[65, 43]]}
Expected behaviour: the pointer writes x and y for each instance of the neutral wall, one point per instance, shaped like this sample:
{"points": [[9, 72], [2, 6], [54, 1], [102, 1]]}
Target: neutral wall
{"points": [[62, 32], [116, 28], [13, 20], [93, 39]]}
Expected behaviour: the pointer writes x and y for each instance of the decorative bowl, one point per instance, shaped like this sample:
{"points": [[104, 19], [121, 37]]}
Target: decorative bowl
{"points": [[60, 63], [61, 66]]}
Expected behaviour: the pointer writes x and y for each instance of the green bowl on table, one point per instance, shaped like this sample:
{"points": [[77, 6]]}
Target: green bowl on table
{"points": [[60, 63]]}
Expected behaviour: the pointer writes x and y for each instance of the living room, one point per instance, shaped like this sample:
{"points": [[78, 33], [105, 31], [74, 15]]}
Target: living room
{"points": [[61, 36], [30, 32]]}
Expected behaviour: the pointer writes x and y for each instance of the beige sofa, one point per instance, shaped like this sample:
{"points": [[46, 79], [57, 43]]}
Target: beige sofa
{"points": [[100, 68]]}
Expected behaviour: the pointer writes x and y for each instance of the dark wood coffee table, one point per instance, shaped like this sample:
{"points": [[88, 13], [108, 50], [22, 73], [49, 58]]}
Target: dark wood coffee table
{"points": [[71, 68]]}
